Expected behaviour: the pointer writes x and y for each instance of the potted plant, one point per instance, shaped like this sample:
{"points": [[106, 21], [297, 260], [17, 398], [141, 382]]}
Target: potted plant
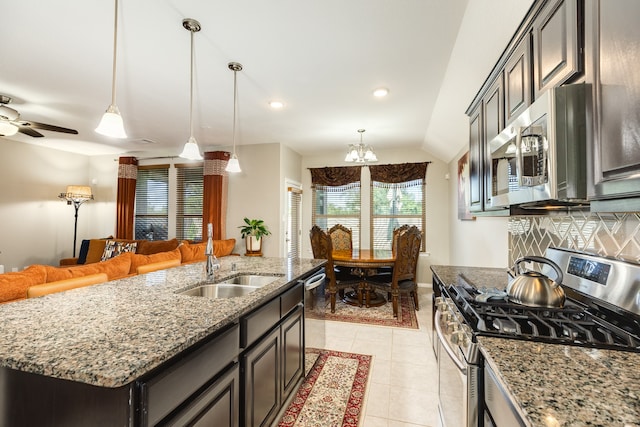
{"points": [[252, 232]]}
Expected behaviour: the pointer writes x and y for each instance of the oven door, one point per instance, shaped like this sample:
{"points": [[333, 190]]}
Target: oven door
{"points": [[457, 382]]}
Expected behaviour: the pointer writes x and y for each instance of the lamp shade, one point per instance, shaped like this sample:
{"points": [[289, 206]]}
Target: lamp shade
{"points": [[233, 165], [76, 193], [8, 129], [111, 123], [191, 150]]}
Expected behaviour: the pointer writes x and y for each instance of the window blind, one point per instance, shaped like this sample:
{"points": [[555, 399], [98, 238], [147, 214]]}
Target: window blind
{"points": [[152, 203], [293, 232], [189, 181], [338, 205], [393, 205]]}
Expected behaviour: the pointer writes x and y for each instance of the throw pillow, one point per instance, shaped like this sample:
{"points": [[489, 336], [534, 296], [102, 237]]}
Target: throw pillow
{"points": [[148, 247], [192, 252], [113, 248]]}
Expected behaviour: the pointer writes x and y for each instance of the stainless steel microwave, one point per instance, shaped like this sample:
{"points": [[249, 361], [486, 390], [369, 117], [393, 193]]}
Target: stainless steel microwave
{"points": [[539, 159]]}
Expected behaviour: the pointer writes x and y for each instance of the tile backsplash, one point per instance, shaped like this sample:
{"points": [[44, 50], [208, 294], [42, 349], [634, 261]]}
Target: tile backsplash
{"points": [[609, 234]]}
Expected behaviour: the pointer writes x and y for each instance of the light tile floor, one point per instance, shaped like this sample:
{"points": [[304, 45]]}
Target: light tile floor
{"points": [[403, 381]]}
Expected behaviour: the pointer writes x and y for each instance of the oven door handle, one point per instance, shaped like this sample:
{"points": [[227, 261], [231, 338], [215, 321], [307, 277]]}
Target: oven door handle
{"points": [[445, 344]]}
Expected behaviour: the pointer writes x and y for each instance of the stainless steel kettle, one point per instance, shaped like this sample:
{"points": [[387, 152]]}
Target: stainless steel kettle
{"points": [[534, 288]]}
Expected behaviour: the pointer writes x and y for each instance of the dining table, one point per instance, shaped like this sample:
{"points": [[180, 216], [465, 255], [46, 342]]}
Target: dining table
{"points": [[363, 263]]}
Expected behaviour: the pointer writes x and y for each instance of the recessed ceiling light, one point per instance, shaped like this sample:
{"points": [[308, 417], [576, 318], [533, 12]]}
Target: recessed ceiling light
{"points": [[380, 92], [276, 104]]}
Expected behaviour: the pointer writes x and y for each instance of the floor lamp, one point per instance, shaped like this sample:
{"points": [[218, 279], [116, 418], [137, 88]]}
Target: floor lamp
{"points": [[76, 195]]}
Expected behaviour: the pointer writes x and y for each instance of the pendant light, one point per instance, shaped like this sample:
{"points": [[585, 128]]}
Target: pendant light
{"points": [[191, 150], [233, 165], [360, 153], [111, 123]]}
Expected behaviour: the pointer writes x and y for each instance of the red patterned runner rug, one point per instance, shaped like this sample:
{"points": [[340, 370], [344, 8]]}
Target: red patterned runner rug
{"points": [[380, 316], [332, 394]]}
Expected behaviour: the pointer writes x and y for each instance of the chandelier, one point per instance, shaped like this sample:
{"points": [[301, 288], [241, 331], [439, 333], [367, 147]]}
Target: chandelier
{"points": [[360, 153]]}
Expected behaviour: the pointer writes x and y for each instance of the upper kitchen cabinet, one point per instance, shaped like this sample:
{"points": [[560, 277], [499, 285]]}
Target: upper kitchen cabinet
{"points": [[556, 45], [476, 159], [493, 106], [517, 80], [612, 36]]}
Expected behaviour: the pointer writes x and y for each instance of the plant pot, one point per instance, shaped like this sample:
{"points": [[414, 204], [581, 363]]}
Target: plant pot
{"points": [[254, 246]]}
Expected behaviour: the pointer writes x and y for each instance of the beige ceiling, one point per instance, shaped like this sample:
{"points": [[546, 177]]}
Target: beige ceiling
{"points": [[323, 58]]}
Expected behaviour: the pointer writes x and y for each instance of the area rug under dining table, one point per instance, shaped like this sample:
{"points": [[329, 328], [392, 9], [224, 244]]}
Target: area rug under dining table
{"points": [[381, 316], [333, 392]]}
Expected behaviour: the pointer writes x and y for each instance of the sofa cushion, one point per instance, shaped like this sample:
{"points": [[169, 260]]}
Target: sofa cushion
{"points": [[115, 268], [148, 247], [113, 248], [64, 285], [138, 259], [192, 252], [14, 285]]}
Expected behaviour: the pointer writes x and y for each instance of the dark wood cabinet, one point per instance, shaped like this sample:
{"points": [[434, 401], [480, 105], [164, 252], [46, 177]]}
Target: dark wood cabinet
{"points": [[493, 104], [179, 382], [476, 156], [272, 366], [556, 45], [612, 63], [217, 405], [517, 80]]}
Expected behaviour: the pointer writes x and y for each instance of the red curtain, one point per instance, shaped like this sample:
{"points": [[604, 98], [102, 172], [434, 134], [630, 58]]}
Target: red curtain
{"points": [[214, 203], [125, 202]]}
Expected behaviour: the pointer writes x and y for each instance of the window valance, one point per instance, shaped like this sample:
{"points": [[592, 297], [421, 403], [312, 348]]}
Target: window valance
{"points": [[335, 176], [397, 173]]}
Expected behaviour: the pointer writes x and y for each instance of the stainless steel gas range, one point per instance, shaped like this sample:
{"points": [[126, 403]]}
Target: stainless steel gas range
{"points": [[602, 310]]}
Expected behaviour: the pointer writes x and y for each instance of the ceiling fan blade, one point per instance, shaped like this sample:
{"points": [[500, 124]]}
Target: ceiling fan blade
{"points": [[44, 126], [29, 131]]}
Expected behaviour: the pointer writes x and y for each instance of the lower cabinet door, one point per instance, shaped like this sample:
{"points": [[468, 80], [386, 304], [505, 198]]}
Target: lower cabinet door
{"points": [[218, 405], [261, 380], [292, 352]]}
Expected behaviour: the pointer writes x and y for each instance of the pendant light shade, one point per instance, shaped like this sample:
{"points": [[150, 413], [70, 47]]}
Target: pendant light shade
{"points": [[111, 123], [191, 151], [233, 165]]}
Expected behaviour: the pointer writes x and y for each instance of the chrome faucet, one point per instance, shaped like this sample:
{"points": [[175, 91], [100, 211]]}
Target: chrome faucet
{"points": [[212, 262]]}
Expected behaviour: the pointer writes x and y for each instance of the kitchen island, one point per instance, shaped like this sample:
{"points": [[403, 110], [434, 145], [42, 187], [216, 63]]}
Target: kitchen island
{"points": [[113, 337], [553, 385]]}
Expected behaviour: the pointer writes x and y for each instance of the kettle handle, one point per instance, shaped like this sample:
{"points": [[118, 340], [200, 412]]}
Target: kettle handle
{"points": [[542, 260]]}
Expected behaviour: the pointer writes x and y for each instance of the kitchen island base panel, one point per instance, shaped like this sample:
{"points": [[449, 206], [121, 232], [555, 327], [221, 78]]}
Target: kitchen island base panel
{"points": [[36, 400]]}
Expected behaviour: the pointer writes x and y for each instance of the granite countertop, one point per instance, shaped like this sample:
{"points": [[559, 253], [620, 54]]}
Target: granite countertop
{"points": [[110, 334], [556, 385], [475, 276], [559, 385]]}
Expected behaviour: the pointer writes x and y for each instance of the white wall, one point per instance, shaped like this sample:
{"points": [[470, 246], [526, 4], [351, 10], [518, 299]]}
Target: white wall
{"points": [[255, 193], [35, 225], [483, 242], [437, 231]]}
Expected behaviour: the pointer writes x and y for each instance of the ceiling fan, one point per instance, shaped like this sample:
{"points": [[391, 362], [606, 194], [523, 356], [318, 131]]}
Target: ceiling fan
{"points": [[10, 122]]}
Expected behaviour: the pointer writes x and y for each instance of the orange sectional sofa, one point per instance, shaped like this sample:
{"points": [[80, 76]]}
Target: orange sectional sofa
{"points": [[37, 280]]}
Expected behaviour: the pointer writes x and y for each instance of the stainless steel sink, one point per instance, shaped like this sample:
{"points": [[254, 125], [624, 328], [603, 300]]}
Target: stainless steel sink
{"points": [[237, 286]]}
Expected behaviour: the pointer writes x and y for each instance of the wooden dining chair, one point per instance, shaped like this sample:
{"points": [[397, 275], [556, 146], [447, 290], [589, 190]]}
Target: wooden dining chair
{"points": [[341, 238], [403, 278], [322, 249]]}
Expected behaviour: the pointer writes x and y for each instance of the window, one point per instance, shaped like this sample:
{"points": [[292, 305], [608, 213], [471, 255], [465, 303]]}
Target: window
{"points": [[169, 204], [394, 205], [338, 205], [152, 203], [189, 202], [336, 199], [398, 197]]}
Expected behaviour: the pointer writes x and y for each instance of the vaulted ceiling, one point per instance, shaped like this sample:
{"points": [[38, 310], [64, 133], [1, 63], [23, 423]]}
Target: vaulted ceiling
{"points": [[323, 59]]}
